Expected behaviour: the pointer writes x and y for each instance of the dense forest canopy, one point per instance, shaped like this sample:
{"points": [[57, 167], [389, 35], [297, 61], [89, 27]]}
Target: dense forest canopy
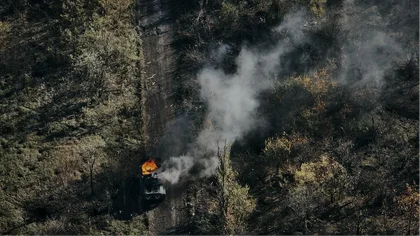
{"points": [[286, 117]]}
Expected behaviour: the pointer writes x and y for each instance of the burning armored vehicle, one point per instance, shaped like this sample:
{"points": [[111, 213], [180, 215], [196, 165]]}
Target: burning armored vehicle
{"points": [[150, 186]]}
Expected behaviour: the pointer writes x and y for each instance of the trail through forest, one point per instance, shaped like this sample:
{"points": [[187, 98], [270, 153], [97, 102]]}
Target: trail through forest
{"points": [[159, 57]]}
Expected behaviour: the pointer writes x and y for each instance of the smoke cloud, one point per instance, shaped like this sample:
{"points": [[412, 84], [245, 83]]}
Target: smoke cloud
{"points": [[174, 167], [369, 47], [232, 99], [368, 42]]}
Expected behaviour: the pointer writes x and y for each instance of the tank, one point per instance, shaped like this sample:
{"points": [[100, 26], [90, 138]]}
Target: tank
{"points": [[150, 186]]}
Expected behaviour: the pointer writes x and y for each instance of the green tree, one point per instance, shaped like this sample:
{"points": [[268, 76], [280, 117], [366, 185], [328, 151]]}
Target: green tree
{"points": [[236, 204], [276, 151]]}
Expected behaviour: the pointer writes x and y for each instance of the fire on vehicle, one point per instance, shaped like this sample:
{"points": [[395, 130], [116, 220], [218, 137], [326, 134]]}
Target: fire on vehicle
{"points": [[151, 187]]}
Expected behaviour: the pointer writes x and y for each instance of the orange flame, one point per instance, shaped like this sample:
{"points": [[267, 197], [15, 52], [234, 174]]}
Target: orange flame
{"points": [[148, 167]]}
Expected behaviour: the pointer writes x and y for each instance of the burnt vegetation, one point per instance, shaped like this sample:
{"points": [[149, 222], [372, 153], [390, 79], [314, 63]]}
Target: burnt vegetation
{"points": [[335, 155]]}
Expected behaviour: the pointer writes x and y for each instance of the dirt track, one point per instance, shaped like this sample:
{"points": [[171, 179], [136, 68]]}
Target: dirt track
{"points": [[156, 35], [155, 27]]}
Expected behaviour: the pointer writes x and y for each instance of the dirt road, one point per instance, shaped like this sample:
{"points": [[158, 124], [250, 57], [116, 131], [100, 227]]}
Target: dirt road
{"points": [[155, 28], [156, 34]]}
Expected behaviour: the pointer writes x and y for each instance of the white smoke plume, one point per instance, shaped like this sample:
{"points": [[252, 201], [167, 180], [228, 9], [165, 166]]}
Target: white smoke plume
{"points": [[232, 99], [368, 45], [174, 167]]}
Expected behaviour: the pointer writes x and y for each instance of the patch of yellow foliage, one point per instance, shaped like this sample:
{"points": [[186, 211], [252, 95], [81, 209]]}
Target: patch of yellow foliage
{"points": [[324, 179], [318, 85], [323, 169], [4, 33], [318, 7], [277, 145]]}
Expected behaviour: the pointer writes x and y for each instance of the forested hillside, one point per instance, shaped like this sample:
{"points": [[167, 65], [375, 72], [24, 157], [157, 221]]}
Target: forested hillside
{"points": [[266, 117]]}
